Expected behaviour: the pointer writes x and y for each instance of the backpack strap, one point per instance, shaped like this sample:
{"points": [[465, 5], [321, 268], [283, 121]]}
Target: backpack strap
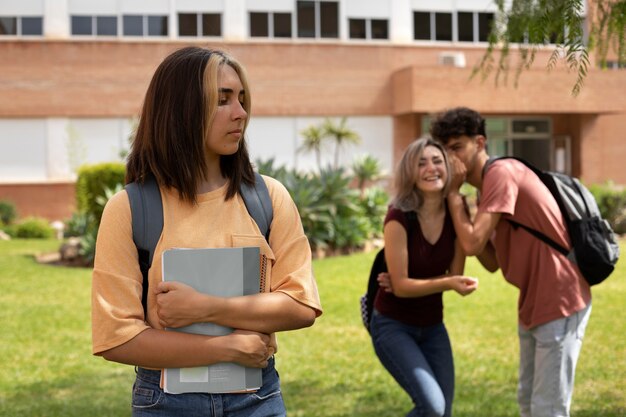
{"points": [[515, 224], [147, 219], [259, 204]]}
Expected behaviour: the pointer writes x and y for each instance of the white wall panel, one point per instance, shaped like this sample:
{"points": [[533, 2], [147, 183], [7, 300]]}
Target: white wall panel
{"points": [[22, 150], [102, 139], [22, 7], [271, 6], [433, 6], [109, 7], [279, 138], [213, 6], [57, 157], [368, 9], [145, 6]]}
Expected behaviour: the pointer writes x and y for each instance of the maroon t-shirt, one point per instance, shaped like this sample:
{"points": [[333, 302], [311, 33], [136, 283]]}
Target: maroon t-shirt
{"points": [[425, 261]]}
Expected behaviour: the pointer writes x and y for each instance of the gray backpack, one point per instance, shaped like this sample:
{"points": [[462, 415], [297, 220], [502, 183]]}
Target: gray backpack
{"points": [[594, 248], [147, 218]]}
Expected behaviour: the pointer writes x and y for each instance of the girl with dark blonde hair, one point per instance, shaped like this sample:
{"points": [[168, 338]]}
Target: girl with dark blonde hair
{"points": [[423, 260]]}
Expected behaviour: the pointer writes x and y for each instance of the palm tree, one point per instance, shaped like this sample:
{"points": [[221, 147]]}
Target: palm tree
{"points": [[365, 169], [342, 135], [313, 140]]}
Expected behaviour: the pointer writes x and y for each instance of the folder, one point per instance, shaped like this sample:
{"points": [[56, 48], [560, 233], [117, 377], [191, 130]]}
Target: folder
{"points": [[223, 272]]}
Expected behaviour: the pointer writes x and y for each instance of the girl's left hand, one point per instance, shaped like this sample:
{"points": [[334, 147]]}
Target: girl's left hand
{"points": [[178, 304]]}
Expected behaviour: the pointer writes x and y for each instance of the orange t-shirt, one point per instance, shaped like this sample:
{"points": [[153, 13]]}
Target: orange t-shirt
{"points": [[551, 286], [117, 312]]}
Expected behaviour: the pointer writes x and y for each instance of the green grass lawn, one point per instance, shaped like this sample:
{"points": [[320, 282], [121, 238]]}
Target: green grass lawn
{"points": [[46, 368]]}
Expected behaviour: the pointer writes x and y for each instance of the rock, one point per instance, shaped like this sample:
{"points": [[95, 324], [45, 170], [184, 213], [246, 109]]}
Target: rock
{"points": [[70, 250]]}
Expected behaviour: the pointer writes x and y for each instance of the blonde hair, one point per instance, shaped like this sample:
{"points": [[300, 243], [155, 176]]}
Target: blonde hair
{"points": [[408, 197], [217, 60]]}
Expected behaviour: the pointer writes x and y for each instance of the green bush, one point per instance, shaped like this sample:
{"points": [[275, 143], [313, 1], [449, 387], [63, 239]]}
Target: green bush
{"points": [[77, 225], [334, 215], [374, 202], [612, 204], [31, 228], [8, 213], [92, 182]]}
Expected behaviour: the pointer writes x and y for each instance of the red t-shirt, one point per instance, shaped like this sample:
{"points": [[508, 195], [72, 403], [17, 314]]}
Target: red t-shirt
{"points": [[425, 261], [551, 286]]}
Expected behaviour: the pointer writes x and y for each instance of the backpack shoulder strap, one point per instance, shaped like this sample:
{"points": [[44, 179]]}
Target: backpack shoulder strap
{"points": [[259, 204], [515, 224], [530, 166], [147, 220]]}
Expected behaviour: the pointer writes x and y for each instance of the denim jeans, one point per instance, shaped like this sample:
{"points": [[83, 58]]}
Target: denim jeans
{"points": [[420, 360], [548, 356], [149, 400]]}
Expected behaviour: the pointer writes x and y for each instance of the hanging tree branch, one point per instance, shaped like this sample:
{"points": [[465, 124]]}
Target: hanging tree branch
{"points": [[527, 25]]}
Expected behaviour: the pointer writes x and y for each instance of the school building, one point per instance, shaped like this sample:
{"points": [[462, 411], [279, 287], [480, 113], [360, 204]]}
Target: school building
{"points": [[74, 73]]}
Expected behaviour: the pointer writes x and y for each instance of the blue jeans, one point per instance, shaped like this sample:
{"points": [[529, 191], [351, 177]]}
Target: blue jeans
{"points": [[149, 400], [548, 356], [420, 360]]}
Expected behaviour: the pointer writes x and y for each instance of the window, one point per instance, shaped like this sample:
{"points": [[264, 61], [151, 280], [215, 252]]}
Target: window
{"points": [[211, 24], [329, 19], [282, 25], [199, 24], [140, 25], [380, 29], [318, 19], [21, 25], [421, 25], [94, 25], [133, 25], [357, 28], [306, 19], [436, 26], [466, 26], [82, 25], [368, 29], [157, 26], [268, 24], [187, 24], [32, 26], [259, 26], [612, 64], [485, 21], [443, 26], [467, 32], [530, 139]]}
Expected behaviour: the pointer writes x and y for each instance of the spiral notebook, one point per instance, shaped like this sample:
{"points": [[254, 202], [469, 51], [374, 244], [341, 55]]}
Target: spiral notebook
{"points": [[224, 272]]}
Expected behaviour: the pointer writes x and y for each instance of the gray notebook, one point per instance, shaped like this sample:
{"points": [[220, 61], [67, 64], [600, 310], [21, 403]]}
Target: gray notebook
{"points": [[224, 272]]}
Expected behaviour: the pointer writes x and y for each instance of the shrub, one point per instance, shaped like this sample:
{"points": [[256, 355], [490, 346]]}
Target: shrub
{"points": [[91, 184], [8, 213], [612, 204], [77, 225], [87, 248], [374, 202], [32, 228]]}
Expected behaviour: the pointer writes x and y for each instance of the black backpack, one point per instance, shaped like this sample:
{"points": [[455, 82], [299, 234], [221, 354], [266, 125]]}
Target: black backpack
{"points": [[380, 265], [594, 247], [147, 218]]}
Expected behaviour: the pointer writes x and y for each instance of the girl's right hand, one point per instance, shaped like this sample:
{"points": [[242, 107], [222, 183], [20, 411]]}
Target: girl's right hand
{"points": [[250, 348], [463, 285]]}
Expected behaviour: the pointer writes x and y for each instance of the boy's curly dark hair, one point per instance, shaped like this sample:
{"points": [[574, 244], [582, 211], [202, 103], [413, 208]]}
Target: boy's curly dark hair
{"points": [[456, 122]]}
